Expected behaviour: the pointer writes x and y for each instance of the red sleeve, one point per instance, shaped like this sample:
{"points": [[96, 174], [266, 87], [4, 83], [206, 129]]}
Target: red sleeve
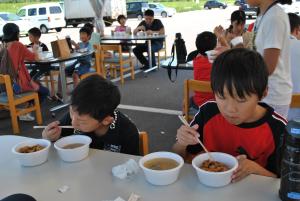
{"points": [[250, 27], [28, 55]]}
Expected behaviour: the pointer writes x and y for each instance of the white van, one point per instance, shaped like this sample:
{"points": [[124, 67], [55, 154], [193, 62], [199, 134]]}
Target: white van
{"points": [[45, 16]]}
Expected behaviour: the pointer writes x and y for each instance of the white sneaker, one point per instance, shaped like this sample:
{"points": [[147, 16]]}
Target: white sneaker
{"points": [[26, 117]]}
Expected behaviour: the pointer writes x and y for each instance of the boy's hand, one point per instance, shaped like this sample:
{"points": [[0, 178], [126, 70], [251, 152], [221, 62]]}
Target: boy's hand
{"points": [[52, 131], [245, 168], [141, 28], [187, 135], [149, 32]]}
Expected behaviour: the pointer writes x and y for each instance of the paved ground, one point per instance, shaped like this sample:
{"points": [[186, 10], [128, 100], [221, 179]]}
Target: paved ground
{"points": [[152, 102]]}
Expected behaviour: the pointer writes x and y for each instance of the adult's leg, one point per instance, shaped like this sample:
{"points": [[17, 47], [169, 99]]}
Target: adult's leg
{"points": [[155, 47], [19, 197], [138, 52]]}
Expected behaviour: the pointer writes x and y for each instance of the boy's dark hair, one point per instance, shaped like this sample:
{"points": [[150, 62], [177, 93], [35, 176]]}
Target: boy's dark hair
{"points": [[86, 30], [285, 2], [121, 17], [96, 96], [239, 70], [89, 25], [294, 21], [206, 41], [238, 16], [149, 12], [36, 32]]}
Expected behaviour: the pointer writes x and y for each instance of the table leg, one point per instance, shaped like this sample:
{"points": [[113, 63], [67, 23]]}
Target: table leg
{"points": [[151, 68], [63, 82]]}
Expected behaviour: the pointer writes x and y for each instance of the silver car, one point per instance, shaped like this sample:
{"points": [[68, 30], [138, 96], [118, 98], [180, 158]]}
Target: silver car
{"points": [[6, 17], [161, 10]]}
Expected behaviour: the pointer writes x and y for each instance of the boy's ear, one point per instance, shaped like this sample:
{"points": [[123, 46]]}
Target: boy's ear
{"points": [[107, 120], [265, 93]]}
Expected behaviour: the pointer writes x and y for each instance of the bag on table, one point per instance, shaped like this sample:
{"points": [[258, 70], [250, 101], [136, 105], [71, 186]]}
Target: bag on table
{"points": [[60, 48], [179, 49]]}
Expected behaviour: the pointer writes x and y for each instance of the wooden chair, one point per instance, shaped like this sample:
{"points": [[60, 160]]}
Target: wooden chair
{"points": [[163, 51], [118, 62], [193, 85], [10, 102], [98, 60], [295, 101], [144, 143]]}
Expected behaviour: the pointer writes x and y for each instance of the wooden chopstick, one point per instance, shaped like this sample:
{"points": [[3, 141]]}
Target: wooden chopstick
{"points": [[36, 127], [182, 119]]}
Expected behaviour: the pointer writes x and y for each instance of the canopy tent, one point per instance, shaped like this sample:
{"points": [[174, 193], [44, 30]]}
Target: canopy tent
{"points": [[98, 6]]}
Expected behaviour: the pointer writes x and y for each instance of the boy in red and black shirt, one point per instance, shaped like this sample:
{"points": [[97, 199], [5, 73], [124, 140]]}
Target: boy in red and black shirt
{"points": [[205, 41], [237, 123]]}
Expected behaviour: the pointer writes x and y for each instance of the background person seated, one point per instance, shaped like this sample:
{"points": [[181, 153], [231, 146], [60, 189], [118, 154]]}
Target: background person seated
{"points": [[149, 26], [202, 68]]}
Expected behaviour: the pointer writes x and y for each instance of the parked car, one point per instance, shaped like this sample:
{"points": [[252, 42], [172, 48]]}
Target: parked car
{"points": [[46, 16], [214, 4], [161, 10], [6, 17], [136, 9], [239, 2], [249, 11], [293, 8]]}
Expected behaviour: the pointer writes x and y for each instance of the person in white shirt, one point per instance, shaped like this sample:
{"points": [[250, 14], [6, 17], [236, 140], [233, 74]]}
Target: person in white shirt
{"points": [[271, 40], [295, 59]]}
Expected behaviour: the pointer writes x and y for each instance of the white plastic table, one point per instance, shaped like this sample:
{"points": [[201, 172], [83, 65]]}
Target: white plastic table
{"points": [[91, 180]]}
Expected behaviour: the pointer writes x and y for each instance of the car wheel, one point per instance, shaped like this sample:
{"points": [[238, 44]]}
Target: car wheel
{"points": [[58, 29], [221, 7], [164, 14], [44, 29], [206, 7], [140, 17]]}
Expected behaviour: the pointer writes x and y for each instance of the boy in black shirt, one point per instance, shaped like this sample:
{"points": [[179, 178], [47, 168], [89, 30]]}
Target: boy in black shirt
{"points": [[149, 26], [93, 113], [237, 123], [34, 35]]}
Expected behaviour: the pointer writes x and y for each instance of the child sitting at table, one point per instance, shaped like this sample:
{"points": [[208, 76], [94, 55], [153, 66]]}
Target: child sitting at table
{"points": [[93, 113], [205, 41], [34, 35], [125, 29], [237, 123], [83, 65]]}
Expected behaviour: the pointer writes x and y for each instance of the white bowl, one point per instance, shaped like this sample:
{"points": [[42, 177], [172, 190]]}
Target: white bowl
{"points": [[215, 179], [161, 177], [237, 40], [76, 154], [34, 158], [211, 55]]}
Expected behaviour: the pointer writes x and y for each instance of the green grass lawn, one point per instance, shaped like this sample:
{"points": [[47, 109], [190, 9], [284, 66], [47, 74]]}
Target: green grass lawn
{"points": [[181, 6], [11, 7]]}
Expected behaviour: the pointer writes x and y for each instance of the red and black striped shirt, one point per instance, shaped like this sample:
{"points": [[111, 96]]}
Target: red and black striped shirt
{"points": [[262, 141]]}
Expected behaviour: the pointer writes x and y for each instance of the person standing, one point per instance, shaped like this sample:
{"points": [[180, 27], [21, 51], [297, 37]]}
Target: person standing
{"points": [[295, 59], [271, 40]]}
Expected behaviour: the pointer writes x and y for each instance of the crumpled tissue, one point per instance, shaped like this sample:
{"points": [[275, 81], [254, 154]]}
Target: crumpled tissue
{"points": [[126, 169]]}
